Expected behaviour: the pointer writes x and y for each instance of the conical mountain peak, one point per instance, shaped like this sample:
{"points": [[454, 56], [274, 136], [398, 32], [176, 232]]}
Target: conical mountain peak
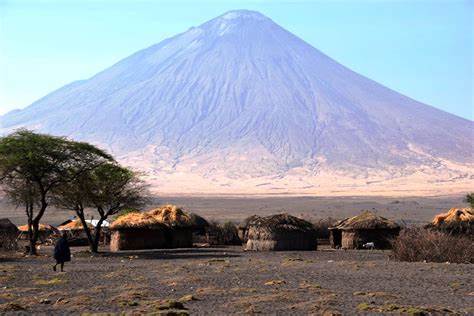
{"points": [[238, 20], [243, 14], [238, 103]]}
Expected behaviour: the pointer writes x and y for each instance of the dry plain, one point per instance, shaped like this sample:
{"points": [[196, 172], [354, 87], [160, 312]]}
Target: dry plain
{"points": [[228, 280]]}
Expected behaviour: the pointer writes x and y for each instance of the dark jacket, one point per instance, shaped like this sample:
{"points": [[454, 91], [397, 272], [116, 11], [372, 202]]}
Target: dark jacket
{"points": [[62, 253]]}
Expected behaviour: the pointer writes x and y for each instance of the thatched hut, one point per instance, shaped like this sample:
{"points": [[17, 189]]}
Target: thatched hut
{"points": [[457, 221], [354, 232], [281, 232], [45, 232], [76, 234], [8, 235], [243, 227], [164, 227]]}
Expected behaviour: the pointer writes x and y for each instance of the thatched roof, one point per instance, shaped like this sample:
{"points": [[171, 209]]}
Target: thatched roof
{"points": [[455, 215], [136, 220], [168, 215], [198, 221], [245, 223], [280, 222], [74, 225], [6, 226], [366, 220], [171, 215], [41, 228]]}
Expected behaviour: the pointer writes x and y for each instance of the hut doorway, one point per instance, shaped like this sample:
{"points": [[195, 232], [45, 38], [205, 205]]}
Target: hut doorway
{"points": [[335, 238]]}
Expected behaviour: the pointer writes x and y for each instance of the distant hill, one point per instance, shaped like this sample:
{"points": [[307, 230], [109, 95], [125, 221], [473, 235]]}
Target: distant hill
{"points": [[240, 105]]}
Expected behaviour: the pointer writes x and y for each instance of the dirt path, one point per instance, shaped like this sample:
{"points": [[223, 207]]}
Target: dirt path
{"points": [[228, 281]]}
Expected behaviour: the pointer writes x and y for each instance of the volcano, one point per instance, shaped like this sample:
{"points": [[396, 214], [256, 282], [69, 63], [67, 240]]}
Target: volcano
{"points": [[240, 105]]}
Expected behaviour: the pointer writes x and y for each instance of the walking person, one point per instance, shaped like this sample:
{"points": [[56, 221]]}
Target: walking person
{"points": [[62, 253]]}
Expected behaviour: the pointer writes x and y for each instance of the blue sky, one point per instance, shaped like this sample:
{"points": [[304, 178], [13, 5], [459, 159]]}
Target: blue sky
{"points": [[423, 49]]}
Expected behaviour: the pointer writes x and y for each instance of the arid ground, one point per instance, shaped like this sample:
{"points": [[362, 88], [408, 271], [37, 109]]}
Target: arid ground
{"points": [[231, 281], [228, 281], [411, 210]]}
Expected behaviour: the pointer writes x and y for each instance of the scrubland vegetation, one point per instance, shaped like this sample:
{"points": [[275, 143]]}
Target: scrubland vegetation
{"points": [[419, 244]]}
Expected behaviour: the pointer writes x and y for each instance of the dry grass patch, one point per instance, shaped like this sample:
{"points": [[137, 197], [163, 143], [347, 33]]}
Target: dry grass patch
{"points": [[400, 309], [275, 282], [48, 282], [253, 300], [305, 285], [375, 294], [290, 261], [7, 296], [188, 298], [242, 290], [132, 298], [12, 307], [168, 307], [210, 291]]}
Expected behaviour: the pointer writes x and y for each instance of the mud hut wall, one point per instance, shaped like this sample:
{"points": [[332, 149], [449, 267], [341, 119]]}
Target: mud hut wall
{"points": [[355, 239], [282, 241], [134, 239], [180, 238]]}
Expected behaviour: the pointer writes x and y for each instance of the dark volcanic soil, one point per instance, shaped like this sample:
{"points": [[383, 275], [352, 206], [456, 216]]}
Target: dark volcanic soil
{"points": [[228, 281]]}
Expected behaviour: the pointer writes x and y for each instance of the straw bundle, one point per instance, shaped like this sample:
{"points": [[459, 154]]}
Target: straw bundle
{"points": [[454, 215], [136, 220], [169, 215], [41, 228], [74, 225]]}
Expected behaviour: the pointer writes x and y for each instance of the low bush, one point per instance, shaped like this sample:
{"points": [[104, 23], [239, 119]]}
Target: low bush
{"points": [[418, 244], [322, 226], [455, 228], [223, 234], [8, 242]]}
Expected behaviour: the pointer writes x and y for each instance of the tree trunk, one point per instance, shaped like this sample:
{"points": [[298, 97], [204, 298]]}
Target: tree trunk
{"points": [[29, 214], [98, 229], [33, 224], [32, 250], [80, 214]]}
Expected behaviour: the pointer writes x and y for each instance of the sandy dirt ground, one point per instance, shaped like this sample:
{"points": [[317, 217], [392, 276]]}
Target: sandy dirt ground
{"points": [[229, 281]]}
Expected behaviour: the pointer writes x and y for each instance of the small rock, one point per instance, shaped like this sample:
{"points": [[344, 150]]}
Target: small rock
{"points": [[45, 301]]}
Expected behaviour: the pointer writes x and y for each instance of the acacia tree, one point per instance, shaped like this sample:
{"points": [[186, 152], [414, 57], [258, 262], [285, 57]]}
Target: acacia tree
{"points": [[32, 165], [107, 189], [470, 199]]}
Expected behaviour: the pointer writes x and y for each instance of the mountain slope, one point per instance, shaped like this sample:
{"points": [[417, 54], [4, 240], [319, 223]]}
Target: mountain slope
{"points": [[241, 98]]}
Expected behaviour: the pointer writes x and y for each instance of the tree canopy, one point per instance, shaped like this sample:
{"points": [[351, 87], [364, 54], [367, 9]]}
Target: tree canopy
{"points": [[32, 165]]}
